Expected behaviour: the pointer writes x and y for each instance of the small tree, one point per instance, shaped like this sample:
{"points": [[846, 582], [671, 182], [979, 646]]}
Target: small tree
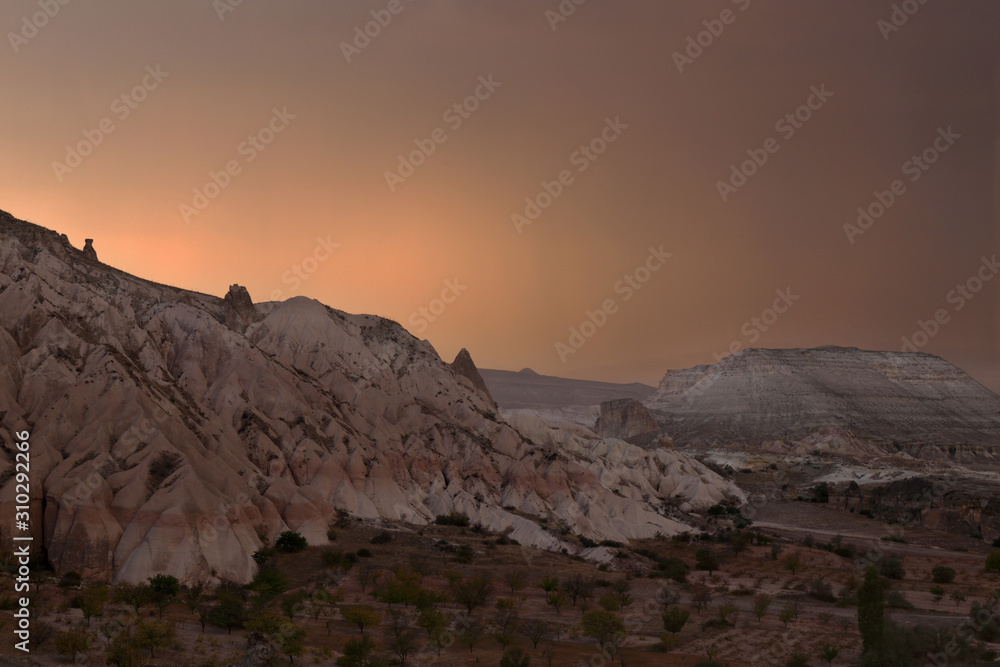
{"points": [[792, 562], [361, 616], [891, 566], [550, 584], [942, 574], [705, 559], [192, 595], [368, 574], [269, 583], [402, 639], [72, 642], [606, 628], [290, 542], [674, 619], [91, 601], [265, 620], [761, 602], [993, 562], [472, 592], [871, 611], [515, 657], [291, 639], [357, 652], [701, 595], [577, 587], [472, 632], [151, 635], [535, 632], [165, 584], [516, 581], [829, 653], [133, 595], [556, 600], [229, 611]]}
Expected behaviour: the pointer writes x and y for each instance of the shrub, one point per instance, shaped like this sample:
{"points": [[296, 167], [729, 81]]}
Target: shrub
{"points": [[993, 562], [943, 574], [364, 553], [70, 580], [382, 538], [821, 493], [452, 519], [821, 590], [72, 642], [586, 542], [465, 554], [165, 584], [674, 568], [290, 542], [892, 567], [331, 534]]}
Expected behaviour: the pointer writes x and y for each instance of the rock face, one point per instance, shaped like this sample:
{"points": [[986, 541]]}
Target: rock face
{"points": [[914, 402], [624, 418], [557, 399], [465, 367], [240, 311], [88, 250], [164, 441]]}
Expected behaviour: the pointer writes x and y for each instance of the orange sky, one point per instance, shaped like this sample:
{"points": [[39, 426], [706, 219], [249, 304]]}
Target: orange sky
{"points": [[391, 251]]}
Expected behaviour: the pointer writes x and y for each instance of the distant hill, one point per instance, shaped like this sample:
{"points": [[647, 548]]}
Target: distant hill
{"points": [[913, 401], [527, 389]]}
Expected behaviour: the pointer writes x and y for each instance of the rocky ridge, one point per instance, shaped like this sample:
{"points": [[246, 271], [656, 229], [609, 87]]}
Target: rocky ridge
{"points": [[172, 432]]}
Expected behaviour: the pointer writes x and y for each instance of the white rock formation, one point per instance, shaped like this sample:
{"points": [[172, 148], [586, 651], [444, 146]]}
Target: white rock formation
{"points": [[165, 441]]}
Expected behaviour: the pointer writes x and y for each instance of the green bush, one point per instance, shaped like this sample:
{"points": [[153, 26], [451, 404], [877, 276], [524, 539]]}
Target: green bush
{"points": [[382, 538], [993, 562], [943, 574], [290, 542], [452, 519]]}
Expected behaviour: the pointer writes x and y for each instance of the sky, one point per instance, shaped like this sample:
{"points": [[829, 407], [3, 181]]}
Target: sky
{"points": [[591, 189]]}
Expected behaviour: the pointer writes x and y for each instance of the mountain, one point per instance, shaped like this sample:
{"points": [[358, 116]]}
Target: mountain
{"points": [[913, 402], [528, 389], [173, 432], [555, 399]]}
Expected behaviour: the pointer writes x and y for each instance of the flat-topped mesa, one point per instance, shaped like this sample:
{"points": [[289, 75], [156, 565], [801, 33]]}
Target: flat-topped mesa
{"points": [[464, 366], [239, 309], [624, 418], [902, 400]]}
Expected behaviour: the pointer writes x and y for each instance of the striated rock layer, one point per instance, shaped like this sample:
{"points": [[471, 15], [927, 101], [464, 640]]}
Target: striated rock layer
{"points": [[914, 402], [171, 430], [624, 418]]}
